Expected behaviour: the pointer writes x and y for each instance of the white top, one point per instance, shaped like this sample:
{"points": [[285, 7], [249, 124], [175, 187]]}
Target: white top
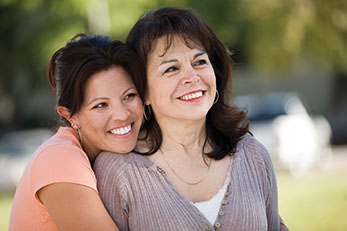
{"points": [[211, 207]]}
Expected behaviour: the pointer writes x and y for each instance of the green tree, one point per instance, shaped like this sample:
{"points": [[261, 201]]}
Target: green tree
{"points": [[278, 34]]}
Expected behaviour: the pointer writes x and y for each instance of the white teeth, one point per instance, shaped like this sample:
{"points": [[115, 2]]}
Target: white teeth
{"points": [[121, 131], [192, 96]]}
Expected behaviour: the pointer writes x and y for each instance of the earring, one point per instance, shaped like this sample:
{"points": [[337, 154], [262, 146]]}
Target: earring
{"points": [[217, 97], [78, 131], [149, 112], [79, 135]]}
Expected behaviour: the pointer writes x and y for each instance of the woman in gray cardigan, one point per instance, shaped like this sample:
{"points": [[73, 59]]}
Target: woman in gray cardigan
{"points": [[195, 168]]}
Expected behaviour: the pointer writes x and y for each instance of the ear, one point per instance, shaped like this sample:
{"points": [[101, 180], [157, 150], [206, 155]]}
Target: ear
{"points": [[147, 101], [64, 112]]}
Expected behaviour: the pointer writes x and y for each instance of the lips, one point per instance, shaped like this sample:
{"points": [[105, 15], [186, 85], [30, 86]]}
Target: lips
{"points": [[192, 95], [122, 130]]}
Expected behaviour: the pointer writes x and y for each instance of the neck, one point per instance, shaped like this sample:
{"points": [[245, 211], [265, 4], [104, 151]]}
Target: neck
{"points": [[91, 152], [187, 136]]}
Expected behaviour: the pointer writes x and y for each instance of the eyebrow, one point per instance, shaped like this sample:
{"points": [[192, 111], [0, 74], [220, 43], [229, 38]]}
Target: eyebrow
{"points": [[199, 54], [168, 61], [105, 98], [175, 60], [129, 89], [96, 99]]}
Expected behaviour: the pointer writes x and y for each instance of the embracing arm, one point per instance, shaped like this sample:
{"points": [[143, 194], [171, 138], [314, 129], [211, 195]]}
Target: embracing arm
{"points": [[75, 207]]}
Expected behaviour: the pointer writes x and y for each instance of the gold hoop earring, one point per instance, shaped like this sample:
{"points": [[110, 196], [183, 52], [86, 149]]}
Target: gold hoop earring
{"points": [[217, 97], [77, 129], [149, 112], [79, 135]]}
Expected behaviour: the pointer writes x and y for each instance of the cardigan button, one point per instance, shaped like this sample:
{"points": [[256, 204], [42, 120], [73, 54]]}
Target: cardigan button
{"points": [[221, 213], [224, 202], [227, 193], [217, 225]]}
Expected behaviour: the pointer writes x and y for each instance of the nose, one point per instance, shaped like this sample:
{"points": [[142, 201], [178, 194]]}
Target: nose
{"points": [[190, 75], [120, 112]]}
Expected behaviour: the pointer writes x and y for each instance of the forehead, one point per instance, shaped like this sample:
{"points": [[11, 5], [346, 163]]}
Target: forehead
{"points": [[113, 78], [165, 44]]}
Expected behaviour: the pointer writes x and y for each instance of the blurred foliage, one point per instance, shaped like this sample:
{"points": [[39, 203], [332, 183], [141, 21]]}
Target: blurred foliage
{"points": [[277, 34], [30, 32], [272, 34]]}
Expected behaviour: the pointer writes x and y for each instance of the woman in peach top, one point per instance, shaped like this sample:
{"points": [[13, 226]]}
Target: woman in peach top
{"points": [[100, 108]]}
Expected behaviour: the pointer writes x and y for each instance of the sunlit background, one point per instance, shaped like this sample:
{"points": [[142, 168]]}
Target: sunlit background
{"points": [[289, 72]]}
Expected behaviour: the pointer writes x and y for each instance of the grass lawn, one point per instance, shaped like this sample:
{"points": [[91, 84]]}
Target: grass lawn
{"points": [[5, 208], [317, 202]]}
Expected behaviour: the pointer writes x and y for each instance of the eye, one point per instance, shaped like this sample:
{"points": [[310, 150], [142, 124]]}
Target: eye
{"points": [[171, 69], [100, 105], [130, 96], [200, 62]]}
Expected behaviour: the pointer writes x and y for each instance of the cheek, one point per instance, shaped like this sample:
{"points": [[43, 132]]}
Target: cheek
{"points": [[156, 93], [86, 119], [95, 120], [136, 107], [210, 77], [164, 89]]}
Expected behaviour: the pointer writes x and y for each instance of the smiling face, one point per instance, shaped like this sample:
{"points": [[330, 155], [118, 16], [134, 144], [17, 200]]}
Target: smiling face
{"points": [[181, 81], [111, 113]]}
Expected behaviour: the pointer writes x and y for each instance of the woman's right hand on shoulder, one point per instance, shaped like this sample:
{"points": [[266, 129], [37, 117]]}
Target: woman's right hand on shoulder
{"points": [[75, 207]]}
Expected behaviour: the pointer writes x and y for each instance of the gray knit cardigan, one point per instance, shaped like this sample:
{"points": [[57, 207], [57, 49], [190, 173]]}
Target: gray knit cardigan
{"points": [[139, 196]]}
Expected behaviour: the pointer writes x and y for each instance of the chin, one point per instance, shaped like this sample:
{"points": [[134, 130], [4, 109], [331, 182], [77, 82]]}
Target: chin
{"points": [[126, 148], [197, 115]]}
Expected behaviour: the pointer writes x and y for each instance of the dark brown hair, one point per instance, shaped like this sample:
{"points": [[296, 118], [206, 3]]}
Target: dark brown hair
{"points": [[83, 56], [225, 124]]}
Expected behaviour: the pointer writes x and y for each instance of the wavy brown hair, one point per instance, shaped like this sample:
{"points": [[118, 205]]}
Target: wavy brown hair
{"points": [[225, 124]]}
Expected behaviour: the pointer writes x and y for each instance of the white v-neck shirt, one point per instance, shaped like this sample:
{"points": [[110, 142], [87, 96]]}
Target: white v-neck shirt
{"points": [[211, 207]]}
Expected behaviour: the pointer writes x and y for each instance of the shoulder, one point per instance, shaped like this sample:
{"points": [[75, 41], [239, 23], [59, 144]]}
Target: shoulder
{"points": [[253, 154], [252, 149], [60, 159], [111, 159], [117, 174], [56, 152], [66, 137], [117, 164]]}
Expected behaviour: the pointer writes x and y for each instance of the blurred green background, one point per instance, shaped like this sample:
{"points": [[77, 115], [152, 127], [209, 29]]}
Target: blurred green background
{"points": [[276, 41], [277, 45]]}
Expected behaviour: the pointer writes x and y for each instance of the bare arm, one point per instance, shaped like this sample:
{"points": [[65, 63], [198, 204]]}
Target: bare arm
{"points": [[75, 207]]}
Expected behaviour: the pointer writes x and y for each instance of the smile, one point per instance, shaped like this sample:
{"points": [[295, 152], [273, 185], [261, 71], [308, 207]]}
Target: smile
{"points": [[121, 131], [191, 96]]}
